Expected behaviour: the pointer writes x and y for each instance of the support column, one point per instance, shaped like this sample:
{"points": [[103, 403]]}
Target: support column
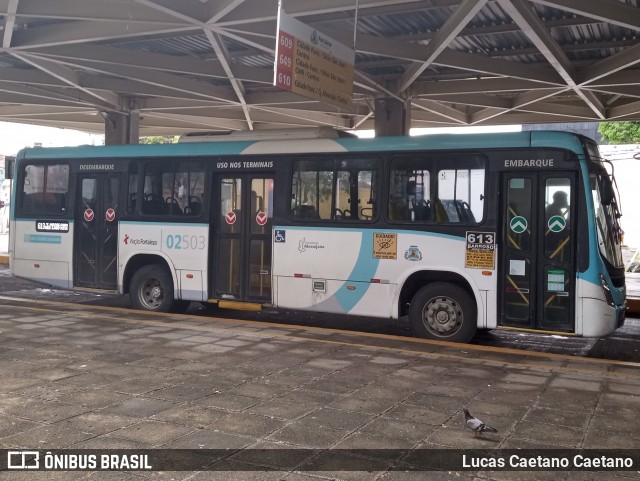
{"points": [[121, 128], [392, 117]]}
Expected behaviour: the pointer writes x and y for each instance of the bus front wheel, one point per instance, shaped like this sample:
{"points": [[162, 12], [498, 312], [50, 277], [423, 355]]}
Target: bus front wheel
{"points": [[444, 312], [151, 289]]}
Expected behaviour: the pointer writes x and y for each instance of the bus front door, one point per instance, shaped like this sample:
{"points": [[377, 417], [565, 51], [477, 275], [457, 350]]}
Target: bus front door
{"points": [[241, 237], [537, 251], [96, 231]]}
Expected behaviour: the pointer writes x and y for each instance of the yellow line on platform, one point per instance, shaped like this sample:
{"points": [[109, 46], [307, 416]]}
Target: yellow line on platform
{"points": [[265, 324]]}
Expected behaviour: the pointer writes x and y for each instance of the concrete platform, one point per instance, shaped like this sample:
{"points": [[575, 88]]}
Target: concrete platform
{"points": [[83, 377]]}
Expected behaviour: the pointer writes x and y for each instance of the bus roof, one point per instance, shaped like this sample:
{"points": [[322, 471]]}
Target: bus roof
{"points": [[540, 139]]}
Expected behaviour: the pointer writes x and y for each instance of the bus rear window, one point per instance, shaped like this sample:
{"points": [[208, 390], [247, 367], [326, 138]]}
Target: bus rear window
{"points": [[45, 189]]}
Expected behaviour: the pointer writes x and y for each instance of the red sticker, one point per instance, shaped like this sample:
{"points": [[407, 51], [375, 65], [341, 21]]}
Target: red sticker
{"points": [[230, 218], [110, 215], [88, 215], [261, 218]]}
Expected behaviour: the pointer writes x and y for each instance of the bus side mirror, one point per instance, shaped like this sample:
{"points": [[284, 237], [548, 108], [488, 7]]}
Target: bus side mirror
{"points": [[606, 191], [9, 163]]}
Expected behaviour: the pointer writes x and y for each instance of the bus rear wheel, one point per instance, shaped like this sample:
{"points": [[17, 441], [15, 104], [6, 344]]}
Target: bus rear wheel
{"points": [[151, 289], [444, 312]]}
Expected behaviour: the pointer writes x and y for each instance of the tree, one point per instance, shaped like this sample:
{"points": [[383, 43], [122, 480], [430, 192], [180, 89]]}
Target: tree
{"points": [[620, 132], [159, 139]]}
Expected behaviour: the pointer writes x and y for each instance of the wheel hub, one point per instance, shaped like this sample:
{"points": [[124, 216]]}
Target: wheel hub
{"points": [[442, 315], [156, 292]]}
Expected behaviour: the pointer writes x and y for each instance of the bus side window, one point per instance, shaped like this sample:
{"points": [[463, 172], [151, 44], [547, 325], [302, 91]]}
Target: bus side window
{"points": [[132, 194], [45, 189], [410, 192]]}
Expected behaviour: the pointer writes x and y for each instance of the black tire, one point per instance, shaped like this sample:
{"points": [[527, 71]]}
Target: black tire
{"points": [[443, 311], [151, 289]]}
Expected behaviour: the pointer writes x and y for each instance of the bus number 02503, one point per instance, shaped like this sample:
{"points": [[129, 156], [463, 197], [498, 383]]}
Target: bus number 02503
{"points": [[185, 242]]}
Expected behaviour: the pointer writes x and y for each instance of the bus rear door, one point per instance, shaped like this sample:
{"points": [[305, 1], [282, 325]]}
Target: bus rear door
{"points": [[241, 237], [537, 260], [96, 240]]}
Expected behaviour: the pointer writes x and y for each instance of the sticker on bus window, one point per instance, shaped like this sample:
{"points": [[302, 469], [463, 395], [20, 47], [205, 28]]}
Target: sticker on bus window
{"points": [[385, 246], [517, 267], [230, 218], [261, 218]]}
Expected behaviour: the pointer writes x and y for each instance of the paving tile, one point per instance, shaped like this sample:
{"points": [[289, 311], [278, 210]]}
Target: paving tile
{"points": [[300, 434], [209, 439], [97, 423], [419, 414], [283, 409], [462, 438], [154, 433], [181, 393], [247, 424], [337, 419], [362, 405], [195, 416], [47, 436], [94, 398], [445, 404], [328, 465], [398, 429], [575, 384], [554, 435], [10, 425], [555, 416], [45, 411], [139, 407]]}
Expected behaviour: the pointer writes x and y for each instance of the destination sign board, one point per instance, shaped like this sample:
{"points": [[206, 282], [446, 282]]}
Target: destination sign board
{"points": [[312, 64]]}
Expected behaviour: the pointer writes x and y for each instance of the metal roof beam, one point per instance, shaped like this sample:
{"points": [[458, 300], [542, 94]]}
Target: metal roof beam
{"points": [[157, 61], [441, 110], [220, 9], [625, 59], [100, 98], [223, 56], [259, 10], [160, 79], [190, 12], [631, 108], [117, 11], [521, 13], [454, 24], [448, 57], [82, 32], [63, 96], [9, 23], [520, 101], [482, 85], [607, 11], [478, 100]]}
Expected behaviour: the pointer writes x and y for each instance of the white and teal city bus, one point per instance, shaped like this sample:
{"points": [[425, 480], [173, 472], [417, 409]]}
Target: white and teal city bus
{"points": [[457, 232]]}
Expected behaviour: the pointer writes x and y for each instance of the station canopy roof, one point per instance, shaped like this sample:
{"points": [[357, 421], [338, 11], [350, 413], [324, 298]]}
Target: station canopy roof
{"points": [[207, 65]]}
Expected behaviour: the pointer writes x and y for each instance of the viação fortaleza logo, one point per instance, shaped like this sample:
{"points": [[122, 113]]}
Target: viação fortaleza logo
{"points": [[138, 242]]}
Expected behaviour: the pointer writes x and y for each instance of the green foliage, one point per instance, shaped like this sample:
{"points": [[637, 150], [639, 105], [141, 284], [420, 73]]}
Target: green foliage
{"points": [[159, 139], [620, 132]]}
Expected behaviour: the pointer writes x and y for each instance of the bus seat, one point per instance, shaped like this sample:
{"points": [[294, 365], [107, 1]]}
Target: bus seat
{"points": [[422, 211], [304, 211], [193, 209]]}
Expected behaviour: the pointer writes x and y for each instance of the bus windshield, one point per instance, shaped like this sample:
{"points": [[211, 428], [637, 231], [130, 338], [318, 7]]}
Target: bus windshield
{"points": [[609, 231]]}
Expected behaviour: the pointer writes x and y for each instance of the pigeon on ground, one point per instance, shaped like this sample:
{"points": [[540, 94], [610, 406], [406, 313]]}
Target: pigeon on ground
{"points": [[476, 425]]}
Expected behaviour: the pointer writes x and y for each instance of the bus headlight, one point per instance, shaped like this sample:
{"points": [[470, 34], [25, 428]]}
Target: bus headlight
{"points": [[607, 291]]}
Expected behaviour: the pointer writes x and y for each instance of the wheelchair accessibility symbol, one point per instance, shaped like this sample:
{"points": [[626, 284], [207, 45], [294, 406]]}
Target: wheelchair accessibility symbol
{"points": [[280, 235]]}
